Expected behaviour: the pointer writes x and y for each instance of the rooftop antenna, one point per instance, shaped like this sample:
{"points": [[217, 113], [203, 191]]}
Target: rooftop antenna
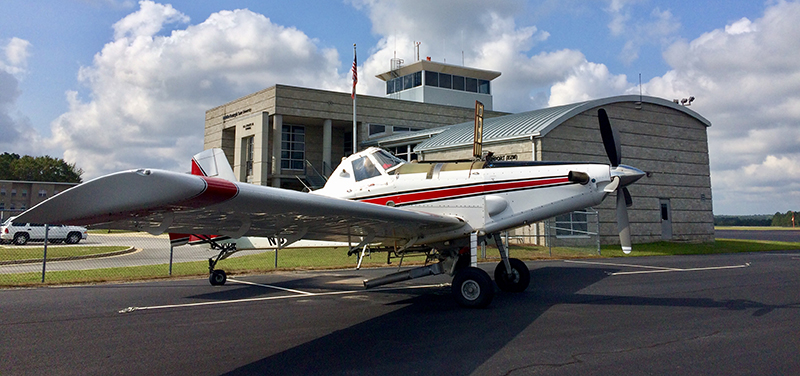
{"points": [[416, 49], [639, 103]]}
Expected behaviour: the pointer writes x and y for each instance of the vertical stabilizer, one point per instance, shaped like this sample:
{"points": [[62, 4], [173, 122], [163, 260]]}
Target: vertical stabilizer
{"points": [[212, 163]]}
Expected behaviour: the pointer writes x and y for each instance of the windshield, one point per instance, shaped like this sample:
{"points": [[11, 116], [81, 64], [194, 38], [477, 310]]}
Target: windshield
{"points": [[387, 160]]}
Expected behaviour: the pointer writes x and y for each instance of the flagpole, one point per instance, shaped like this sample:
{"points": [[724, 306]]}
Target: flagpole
{"points": [[355, 80]]}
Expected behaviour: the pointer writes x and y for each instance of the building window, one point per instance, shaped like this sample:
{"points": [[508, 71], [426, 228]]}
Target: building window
{"points": [[42, 193], [249, 144], [404, 152], [13, 192], [406, 82], [2, 191], [458, 83], [574, 224], [461, 83], [293, 147], [376, 129], [347, 145], [472, 85], [405, 129], [445, 81], [483, 87]]}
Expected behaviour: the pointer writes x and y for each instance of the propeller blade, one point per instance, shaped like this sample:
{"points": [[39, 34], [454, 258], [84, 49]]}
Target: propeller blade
{"points": [[610, 138], [622, 223], [628, 199]]}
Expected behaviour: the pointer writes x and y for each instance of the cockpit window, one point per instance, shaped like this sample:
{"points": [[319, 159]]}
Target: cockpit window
{"points": [[364, 169], [387, 160]]}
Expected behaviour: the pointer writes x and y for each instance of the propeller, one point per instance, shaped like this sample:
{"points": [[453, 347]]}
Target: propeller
{"points": [[620, 177]]}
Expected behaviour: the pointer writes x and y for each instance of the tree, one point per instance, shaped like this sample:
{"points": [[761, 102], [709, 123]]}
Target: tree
{"points": [[784, 220], [46, 168]]}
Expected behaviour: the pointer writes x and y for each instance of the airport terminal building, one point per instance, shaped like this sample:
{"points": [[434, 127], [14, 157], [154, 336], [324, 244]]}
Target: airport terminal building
{"points": [[293, 137]]}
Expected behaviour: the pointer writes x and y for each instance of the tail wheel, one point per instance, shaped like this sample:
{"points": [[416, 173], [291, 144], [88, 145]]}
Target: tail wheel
{"points": [[519, 279], [473, 288], [217, 277]]}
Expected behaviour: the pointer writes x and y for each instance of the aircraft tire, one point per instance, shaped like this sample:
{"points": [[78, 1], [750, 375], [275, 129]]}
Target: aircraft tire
{"points": [[473, 288], [217, 277], [520, 276]]}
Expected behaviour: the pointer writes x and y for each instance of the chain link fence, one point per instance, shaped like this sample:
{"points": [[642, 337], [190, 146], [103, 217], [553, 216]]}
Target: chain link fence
{"points": [[118, 256]]}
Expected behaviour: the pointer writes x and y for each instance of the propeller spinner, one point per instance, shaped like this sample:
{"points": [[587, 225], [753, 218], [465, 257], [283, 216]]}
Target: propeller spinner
{"points": [[621, 176]]}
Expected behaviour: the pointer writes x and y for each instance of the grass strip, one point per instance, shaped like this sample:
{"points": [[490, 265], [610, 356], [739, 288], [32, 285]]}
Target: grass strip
{"points": [[36, 253], [336, 258]]}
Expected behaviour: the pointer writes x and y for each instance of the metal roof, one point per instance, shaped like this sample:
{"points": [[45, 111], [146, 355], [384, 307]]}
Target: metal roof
{"points": [[536, 123]]}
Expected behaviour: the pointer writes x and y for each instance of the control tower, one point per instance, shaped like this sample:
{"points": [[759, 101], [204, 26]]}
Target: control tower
{"points": [[427, 81]]}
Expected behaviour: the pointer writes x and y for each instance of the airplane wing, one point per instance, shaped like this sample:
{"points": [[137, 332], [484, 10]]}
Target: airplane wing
{"points": [[159, 201]]}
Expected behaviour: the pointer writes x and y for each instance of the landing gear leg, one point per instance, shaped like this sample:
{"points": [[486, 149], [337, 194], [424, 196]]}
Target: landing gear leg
{"points": [[217, 277], [511, 275]]}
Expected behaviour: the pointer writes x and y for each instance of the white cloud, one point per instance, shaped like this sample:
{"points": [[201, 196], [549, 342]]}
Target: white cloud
{"points": [[587, 81], [148, 21], [659, 29], [746, 78], [17, 55], [17, 134], [148, 92], [489, 37]]}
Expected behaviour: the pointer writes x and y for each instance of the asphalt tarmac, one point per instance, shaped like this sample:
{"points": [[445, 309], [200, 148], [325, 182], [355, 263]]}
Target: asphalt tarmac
{"points": [[683, 315], [788, 235]]}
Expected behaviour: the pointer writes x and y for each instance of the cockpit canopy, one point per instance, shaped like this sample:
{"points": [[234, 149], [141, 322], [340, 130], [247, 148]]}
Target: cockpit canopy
{"points": [[364, 166]]}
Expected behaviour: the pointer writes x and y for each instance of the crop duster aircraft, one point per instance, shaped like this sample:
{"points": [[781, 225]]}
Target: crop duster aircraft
{"points": [[442, 209]]}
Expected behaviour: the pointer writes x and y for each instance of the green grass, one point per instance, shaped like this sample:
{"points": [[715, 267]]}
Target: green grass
{"points": [[757, 228], [14, 253], [334, 258]]}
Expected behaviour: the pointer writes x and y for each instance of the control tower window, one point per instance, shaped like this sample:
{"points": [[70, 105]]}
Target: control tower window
{"points": [[483, 87], [458, 83], [472, 85], [431, 79], [445, 81]]}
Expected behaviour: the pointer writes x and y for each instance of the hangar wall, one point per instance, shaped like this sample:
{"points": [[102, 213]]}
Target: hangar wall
{"points": [[668, 144], [673, 203]]}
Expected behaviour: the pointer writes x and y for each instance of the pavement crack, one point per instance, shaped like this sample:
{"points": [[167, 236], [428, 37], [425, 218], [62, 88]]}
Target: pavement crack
{"points": [[576, 358]]}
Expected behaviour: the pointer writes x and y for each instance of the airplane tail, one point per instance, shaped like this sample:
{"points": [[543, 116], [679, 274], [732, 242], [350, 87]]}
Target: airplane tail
{"points": [[211, 163]]}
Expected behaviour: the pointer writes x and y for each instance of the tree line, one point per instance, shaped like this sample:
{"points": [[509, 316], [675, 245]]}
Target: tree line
{"points": [[778, 219], [46, 168]]}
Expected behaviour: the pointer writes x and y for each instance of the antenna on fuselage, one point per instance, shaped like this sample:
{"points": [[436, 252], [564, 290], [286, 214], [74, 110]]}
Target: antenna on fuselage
{"points": [[477, 143]]}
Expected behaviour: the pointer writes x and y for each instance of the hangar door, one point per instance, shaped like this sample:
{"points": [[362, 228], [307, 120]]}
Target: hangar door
{"points": [[666, 219]]}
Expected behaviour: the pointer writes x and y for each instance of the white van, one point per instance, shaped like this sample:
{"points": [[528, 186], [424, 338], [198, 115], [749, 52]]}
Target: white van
{"points": [[21, 233]]}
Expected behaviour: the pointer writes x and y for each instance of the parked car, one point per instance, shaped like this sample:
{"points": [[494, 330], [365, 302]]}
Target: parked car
{"points": [[21, 233]]}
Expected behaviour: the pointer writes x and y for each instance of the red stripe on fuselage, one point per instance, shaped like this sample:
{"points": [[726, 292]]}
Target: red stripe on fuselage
{"points": [[217, 191], [446, 193]]}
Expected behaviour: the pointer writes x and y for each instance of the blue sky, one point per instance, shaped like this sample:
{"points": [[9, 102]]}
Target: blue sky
{"points": [[116, 84]]}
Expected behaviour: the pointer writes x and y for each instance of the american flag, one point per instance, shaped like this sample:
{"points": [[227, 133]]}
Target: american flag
{"points": [[355, 73]]}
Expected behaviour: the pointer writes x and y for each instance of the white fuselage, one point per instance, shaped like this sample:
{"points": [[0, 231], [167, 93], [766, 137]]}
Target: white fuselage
{"points": [[489, 197]]}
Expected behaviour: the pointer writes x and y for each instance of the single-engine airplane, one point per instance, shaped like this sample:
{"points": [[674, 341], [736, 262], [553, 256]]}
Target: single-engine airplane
{"points": [[373, 198]]}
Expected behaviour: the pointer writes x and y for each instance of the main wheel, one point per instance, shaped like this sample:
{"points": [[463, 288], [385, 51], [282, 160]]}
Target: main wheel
{"points": [[217, 277], [519, 279], [21, 239], [473, 288]]}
